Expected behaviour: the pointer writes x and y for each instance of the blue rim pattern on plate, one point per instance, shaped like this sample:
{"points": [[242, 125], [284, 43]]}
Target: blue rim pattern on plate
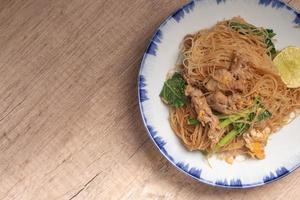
{"points": [[159, 142]]}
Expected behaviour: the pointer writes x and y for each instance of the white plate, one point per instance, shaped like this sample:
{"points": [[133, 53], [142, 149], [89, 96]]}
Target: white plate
{"points": [[283, 149]]}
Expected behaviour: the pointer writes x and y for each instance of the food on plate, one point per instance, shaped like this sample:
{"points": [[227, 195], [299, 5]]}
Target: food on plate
{"points": [[228, 94]]}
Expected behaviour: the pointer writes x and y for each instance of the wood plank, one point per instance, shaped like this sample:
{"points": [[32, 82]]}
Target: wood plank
{"points": [[70, 127]]}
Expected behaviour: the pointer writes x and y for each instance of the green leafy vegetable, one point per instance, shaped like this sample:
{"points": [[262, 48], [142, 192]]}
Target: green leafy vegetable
{"points": [[251, 116], [244, 28], [270, 33], [248, 28], [172, 92], [238, 128], [241, 122], [264, 115], [271, 47], [193, 121]]}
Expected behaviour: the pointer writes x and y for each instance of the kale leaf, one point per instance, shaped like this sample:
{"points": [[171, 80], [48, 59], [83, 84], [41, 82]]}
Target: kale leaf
{"points": [[172, 92]]}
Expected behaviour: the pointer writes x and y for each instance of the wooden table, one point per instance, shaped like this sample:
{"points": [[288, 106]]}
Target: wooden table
{"points": [[70, 126]]}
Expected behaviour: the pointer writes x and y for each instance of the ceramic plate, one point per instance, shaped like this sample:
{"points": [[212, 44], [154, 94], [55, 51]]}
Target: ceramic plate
{"points": [[283, 149]]}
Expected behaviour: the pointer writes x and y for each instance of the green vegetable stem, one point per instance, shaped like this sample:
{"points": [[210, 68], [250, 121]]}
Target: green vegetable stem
{"points": [[241, 122]]}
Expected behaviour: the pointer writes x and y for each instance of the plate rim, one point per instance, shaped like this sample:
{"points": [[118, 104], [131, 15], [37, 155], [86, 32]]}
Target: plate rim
{"points": [[144, 119]]}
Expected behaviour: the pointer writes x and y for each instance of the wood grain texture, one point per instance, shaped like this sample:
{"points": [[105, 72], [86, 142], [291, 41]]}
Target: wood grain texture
{"points": [[70, 127]]}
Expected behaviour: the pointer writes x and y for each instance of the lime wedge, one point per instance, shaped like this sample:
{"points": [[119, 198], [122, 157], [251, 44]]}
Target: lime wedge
{"points": [[288, 65]]}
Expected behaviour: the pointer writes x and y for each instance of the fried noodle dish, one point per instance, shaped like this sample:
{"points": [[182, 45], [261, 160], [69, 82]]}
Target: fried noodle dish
{"points": [[226, 96]]}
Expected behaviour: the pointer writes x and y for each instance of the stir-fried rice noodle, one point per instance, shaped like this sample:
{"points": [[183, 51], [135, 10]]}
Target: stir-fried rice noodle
{"points": [[227, 70]]}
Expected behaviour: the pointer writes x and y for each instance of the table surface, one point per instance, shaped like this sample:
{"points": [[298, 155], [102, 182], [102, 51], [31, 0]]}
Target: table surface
{"points": [[70, 126]]}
